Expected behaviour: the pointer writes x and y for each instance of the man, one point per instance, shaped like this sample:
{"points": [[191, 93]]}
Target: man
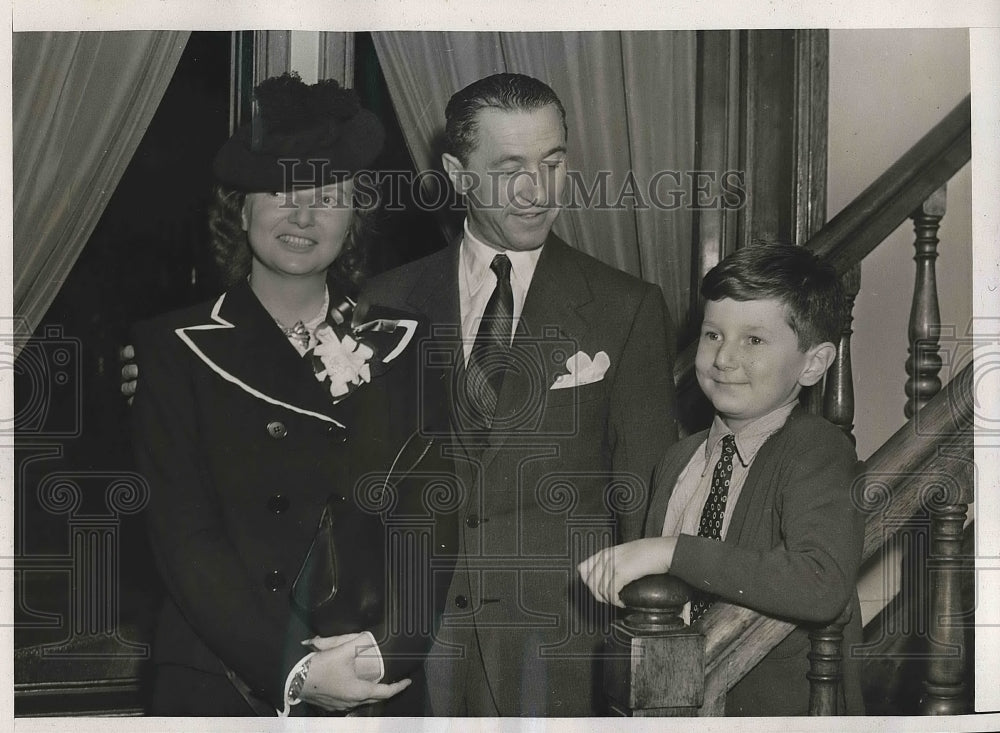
{"points": [[562, 402], [561, 393]]}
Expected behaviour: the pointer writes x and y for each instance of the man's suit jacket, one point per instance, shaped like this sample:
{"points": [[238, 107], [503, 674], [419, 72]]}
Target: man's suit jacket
{"points": [[543, 487], [242, 448], [792, 551]]}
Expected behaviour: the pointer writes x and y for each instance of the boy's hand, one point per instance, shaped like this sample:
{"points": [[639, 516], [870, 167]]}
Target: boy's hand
{"points": [[611, 569]]}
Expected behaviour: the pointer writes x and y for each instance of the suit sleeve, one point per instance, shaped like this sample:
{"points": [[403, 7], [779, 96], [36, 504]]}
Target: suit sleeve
{"points": [[422, 530], [642, 423], [200, 567], [812, 574]]}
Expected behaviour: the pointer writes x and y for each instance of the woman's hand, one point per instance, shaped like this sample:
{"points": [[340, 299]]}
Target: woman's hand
{"points": [[332, 682], [608, 571]]}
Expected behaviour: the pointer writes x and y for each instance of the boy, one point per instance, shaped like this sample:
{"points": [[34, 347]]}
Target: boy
{"points": [[769, 480]]}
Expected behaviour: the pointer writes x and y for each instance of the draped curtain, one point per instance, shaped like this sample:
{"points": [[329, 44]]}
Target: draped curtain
{"points": [[630, 105], [81, 103]]}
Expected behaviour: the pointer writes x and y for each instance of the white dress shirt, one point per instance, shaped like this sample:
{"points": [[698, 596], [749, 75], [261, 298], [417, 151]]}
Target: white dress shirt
{"points": [[476, 283]]}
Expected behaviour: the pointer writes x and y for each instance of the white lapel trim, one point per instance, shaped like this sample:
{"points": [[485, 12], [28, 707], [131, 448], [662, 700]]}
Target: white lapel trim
{"points": [[411, 327], [220, 322]]}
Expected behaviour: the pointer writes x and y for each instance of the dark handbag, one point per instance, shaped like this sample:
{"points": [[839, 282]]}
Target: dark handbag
{"points": [[342, 585]]}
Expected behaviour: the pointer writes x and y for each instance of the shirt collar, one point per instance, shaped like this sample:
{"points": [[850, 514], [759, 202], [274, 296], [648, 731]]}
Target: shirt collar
{"points": [[751, 437], [477, 256]]}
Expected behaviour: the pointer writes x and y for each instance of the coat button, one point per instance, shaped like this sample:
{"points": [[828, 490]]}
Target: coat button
{"points": [[277, 429], [461, 601], [274, 580], [278, 503], [472, 521]]}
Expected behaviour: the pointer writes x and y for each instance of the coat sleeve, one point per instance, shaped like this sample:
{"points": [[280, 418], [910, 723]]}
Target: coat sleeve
{"points": [[421, 529], [642, 422], [811, 575], [200, 567]]}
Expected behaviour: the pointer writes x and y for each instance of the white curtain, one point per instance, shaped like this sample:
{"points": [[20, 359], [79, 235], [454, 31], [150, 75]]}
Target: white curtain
{"points": [[81, 103], [630, 104]]}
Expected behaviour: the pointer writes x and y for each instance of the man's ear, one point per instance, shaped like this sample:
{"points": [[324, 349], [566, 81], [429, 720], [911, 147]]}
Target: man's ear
{"points": [[818, 360], [454, 168]]}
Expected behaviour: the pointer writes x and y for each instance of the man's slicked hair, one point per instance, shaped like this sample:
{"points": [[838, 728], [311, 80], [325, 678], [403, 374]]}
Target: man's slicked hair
{"points": [[507, 92], [808, 287]]}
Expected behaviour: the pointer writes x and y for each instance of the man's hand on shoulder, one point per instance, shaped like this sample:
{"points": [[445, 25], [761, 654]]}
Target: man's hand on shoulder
{"points": [[130, 371]]}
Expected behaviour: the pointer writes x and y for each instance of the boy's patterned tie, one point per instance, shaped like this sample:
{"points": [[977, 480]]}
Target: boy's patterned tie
{"points": [[486, 361], [712, 515]]}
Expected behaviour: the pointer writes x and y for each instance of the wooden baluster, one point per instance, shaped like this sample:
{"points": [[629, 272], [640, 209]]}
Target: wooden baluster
{"points": [[824, 672], [838, 393], [655, 665], [924, 362], [945, 692]]}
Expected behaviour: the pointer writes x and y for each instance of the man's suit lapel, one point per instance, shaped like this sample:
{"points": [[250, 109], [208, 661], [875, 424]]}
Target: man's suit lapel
{"points": [[551, 325], [244, 346], [435, 292]]}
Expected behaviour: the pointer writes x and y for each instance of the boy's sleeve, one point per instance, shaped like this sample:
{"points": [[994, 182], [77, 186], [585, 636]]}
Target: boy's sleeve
{"points": [[812, 574]]}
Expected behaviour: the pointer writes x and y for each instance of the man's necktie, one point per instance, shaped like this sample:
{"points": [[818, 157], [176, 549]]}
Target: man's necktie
{"points": [[712, 514], [487, 360]]}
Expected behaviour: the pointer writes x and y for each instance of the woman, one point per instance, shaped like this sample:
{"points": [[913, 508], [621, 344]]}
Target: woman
{"points": [[274, 406]]}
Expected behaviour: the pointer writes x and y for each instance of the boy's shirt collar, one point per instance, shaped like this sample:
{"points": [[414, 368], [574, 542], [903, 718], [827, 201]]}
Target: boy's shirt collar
{"points": [[751, 437]]}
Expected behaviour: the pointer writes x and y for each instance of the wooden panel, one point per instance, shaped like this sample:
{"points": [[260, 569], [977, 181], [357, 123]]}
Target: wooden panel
{"points": [[768, 83], [336, 57], [717, 140], [271, 54], [811, 104]]}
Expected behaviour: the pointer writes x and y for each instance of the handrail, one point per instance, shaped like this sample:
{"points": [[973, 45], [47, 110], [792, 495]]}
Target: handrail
{"points": [[873, 215], [737, 638], [879, 210]]}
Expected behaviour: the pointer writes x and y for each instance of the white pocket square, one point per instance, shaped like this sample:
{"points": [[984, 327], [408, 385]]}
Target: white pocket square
{"points": [[583, 370]]}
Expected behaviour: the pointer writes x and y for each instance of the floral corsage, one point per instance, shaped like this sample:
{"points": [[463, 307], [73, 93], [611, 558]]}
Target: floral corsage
{"points": [[344, 363], [347, 356]]}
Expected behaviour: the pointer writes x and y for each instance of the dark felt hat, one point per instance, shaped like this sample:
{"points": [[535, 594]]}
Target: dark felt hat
{"points": [[303, 135]]}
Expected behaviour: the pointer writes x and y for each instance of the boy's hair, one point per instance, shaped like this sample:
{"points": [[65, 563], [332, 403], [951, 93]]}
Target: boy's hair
{"points": [[809, 288], [507, 92]]}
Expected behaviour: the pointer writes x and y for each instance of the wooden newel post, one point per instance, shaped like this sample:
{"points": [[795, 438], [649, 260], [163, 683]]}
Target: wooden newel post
{"points": [[655, 665], [825, 657]]}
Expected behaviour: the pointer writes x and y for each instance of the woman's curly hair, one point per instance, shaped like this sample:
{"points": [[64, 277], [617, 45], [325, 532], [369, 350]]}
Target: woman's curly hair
{"points": [[231, 250]]}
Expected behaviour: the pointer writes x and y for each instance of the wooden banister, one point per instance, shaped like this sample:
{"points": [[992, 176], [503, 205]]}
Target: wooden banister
{"points": [[894, 486], [879, 210], [899, 481], [888, 202]]}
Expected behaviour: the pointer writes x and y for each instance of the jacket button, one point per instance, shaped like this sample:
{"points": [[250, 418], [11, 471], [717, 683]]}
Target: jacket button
{"points": [[274, 580], [472, 521], [461, 601], [278, 503], [277, 429]]}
